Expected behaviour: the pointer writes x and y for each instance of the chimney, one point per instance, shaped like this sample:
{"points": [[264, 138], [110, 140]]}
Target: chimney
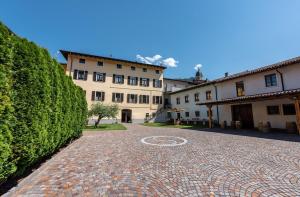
{"points": [[226, 74]]}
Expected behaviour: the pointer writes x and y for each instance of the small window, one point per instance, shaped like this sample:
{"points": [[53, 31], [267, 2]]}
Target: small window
{"points": [[157, 83], [99, 77], [144, 99], [117, 97], [132, 81], [240, 90], [196, 95], [289, 109], [98, 96], [132, 68], [99, 63], [187, 114], [157, 100], [82, 61], [119, 79], [271, 80], [208, 95], [80, 75], [132, 98], [178, 101], [197, 113], [144, 82], [157, 71], [273, 110], [186, 99], [119, 66], [144, 69]]}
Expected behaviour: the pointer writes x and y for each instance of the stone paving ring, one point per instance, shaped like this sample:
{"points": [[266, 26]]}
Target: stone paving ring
{"points": [[164, 141]]}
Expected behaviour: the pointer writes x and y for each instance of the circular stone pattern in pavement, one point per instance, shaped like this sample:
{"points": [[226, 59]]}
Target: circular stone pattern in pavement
{"points": [[164, 141]]}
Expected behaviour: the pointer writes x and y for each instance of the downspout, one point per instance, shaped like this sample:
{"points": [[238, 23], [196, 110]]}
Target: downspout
{"points": [[281, 79], [216, 93]]}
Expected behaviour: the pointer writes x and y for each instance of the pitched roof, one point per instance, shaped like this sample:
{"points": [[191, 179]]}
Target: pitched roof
{"points": [[262, 96], [245, 73], [65, 53]]}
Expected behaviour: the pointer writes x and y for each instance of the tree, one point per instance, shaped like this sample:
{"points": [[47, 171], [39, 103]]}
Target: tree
{"points": [[103, 111]]}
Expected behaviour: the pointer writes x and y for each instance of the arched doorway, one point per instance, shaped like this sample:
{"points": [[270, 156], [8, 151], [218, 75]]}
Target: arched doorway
{"points": [[126, 115]]}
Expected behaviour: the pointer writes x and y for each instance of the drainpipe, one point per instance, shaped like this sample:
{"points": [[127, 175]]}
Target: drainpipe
{"points": [[281, 79], [216, 92]]}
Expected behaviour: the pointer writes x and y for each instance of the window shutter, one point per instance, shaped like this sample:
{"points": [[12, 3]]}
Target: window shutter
{"points": [[94, 76], [93, 95], [140, 81], [153, 99], [85, 75], [75, 74], [114, 80], [140, 99], [136, 81], [147, 99], [122, 79], [104, 77], [160, 100], [113, 97], [154, 83], [122, 97], [148, 82], [160, 83], [128, 80], [135, 98], [128, 98], [103, 96]]}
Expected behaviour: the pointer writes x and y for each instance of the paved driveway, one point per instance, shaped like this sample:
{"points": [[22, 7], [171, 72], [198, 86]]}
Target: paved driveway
{"points": [[117, 163]]}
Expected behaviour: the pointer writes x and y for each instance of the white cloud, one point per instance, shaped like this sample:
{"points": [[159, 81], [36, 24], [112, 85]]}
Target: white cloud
{"points": [[198, 66], [170, 62], [157, 60]]}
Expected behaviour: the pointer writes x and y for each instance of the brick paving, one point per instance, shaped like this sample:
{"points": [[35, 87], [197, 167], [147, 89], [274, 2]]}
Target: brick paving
{"points": [[117, 163]]}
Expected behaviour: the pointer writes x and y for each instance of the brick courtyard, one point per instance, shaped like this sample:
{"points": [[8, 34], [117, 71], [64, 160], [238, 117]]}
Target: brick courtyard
{"points": [[117, 163]]}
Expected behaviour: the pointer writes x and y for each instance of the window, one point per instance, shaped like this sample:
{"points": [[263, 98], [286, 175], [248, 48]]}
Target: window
{"points": [[144, 99], [208, 95], [99, 63], [98, 96], [82, 61], [178, 115], [119, 79], [80, 75], [131, 98], [100, 77], [132, 68], [157, 100], [144, 69], [119, 66], [132, 81], [157, 71], [157, 83], [289, 109], [187, 114], [196, 95], [273, 110], [178, 101], [144, 82], [117, 97], [271, 80], [197, 113], [186, 99], [240, 90]]}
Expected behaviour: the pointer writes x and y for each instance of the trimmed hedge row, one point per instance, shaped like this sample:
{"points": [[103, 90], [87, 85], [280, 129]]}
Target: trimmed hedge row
{"points": [[41, 108]]}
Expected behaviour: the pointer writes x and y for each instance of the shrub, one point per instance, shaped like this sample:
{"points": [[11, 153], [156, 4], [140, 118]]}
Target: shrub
{"points": [[41, 108]]}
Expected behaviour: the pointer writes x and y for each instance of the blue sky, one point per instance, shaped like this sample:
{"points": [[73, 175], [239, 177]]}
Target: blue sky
{"points": [[222, 36]]}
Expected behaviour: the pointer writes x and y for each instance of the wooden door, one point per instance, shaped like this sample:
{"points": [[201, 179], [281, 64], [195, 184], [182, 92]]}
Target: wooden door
{"points": [[244, 114]]}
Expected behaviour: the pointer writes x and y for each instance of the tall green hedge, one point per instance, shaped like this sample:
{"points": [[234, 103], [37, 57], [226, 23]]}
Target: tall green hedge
{"points": [[41, 108]]}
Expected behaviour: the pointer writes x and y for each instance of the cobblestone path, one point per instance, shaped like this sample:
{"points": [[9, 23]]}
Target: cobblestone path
{"points": [[190, 163]]}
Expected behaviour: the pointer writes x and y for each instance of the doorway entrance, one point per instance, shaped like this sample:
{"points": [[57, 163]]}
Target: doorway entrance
{"points": [[126, 115], [244, 114]]}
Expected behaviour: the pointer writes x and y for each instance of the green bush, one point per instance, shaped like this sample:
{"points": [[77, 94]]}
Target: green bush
{"points": [[41, 108]]}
